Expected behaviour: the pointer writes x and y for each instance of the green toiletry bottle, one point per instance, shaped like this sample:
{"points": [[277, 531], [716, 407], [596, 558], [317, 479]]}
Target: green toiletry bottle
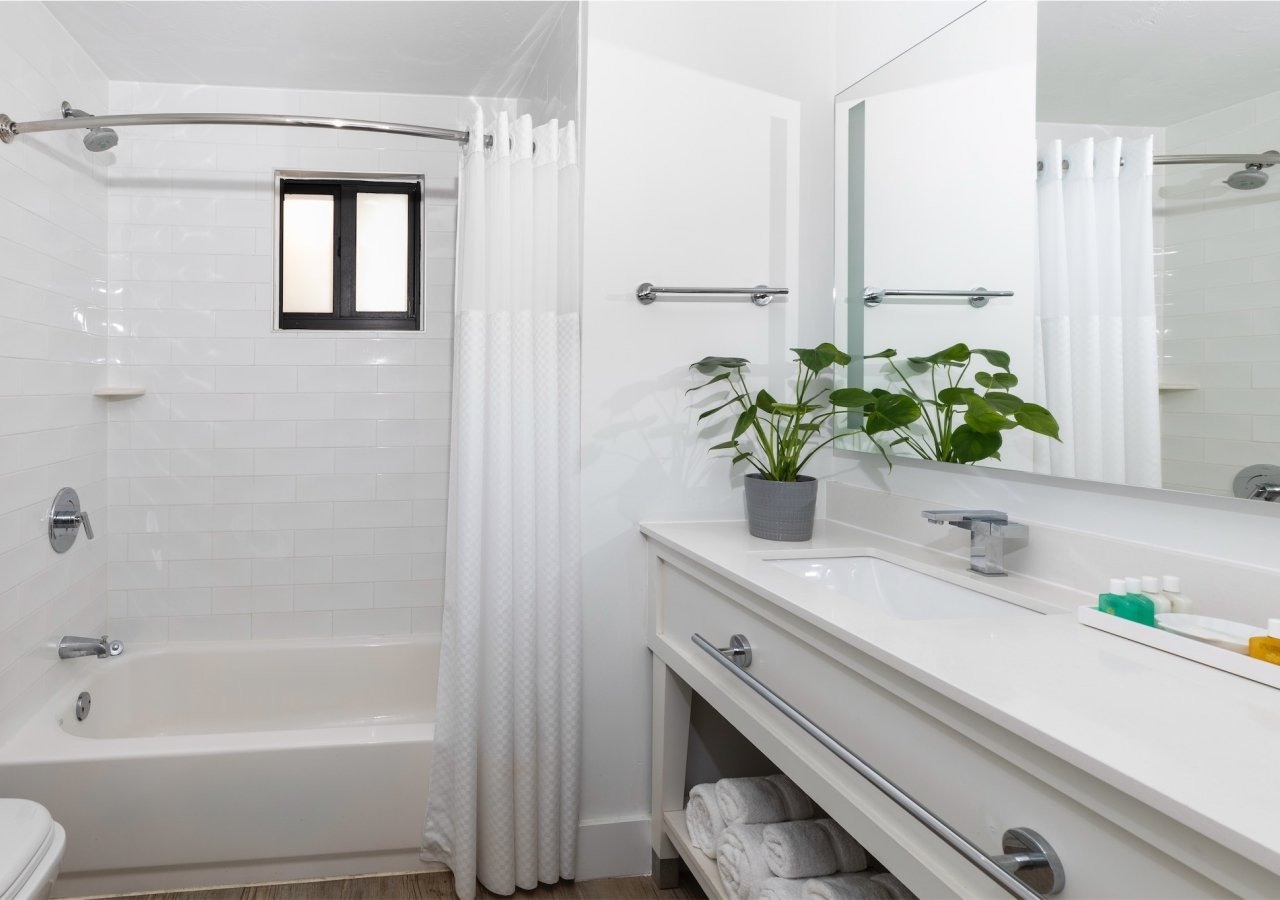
{"points": [[1112, 601], [1140, 608]]}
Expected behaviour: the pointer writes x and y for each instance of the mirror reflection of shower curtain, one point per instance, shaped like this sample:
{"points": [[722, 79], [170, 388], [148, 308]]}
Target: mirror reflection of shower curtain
{"points": [[1097, 365]]}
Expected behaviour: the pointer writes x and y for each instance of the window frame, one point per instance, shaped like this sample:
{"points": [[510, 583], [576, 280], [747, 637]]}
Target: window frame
{"points": [[343, 188]]}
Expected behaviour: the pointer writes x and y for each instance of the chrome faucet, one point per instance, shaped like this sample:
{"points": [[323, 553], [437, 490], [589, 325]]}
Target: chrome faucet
{"points": [[70, 647], [988, 529]]}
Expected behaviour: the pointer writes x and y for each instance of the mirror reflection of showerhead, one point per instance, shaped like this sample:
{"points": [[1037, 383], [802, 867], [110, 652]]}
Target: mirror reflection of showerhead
{"points": [[98, 139], [1251, 177]]}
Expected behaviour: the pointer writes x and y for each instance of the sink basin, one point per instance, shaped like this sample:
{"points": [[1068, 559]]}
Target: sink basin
{"points": [[896, 590]]}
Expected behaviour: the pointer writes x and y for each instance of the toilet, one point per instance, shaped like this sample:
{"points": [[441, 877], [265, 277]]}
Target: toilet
{"points": [[31, 848]]}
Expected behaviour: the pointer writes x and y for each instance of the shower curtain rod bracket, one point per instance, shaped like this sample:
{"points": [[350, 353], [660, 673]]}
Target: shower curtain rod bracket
{"points": [[6, 129]]}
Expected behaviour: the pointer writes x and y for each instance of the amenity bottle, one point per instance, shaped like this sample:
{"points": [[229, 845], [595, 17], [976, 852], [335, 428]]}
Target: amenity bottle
{"points": [[1266, 647]]}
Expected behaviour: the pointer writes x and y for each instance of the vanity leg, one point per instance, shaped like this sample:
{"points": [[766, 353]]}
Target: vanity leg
{"points": [[671, 702]]}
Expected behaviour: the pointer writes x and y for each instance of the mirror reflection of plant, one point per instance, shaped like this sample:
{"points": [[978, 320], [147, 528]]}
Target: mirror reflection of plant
{"points": [[983, 412], [782, 434]]}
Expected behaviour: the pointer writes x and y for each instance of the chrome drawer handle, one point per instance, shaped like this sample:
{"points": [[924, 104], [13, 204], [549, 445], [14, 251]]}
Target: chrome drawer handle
{"points": [[1028, 868]]}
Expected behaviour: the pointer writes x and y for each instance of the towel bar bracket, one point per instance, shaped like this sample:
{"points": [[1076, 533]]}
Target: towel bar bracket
{"points": [[1031, 859], [738, 651]]}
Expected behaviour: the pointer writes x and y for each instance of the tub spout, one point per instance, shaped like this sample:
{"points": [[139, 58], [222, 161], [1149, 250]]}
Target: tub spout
{"points": [[71, 646]]}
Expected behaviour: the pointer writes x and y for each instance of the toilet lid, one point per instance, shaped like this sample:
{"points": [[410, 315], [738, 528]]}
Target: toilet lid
{"points": [[26, 829]]}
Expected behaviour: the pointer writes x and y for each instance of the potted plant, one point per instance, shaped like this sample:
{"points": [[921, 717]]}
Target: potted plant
{"points": [[778, 439], [957, 423]]}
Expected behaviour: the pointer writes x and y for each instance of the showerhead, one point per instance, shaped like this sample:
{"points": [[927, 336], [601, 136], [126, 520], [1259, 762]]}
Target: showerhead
{"points": [[1251, 177], [100, 139], [1248, 179]]}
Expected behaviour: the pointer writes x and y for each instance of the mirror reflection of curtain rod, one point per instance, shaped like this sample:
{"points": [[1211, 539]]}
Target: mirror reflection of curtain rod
{"points": [[1266, 160]]}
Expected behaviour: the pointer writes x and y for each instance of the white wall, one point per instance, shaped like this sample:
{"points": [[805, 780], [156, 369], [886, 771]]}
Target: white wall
{"points": [[53, 343], [1221, 323], [269, 484], [707, 162]]}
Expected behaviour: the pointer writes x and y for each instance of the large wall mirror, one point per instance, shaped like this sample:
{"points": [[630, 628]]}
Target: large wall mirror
{"points": [[1103, 171]]}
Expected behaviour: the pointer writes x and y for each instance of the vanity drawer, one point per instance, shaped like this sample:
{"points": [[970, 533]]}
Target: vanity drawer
{"points": [[965, 774]]}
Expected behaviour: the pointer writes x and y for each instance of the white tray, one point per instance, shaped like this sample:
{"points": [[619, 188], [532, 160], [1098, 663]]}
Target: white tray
{"points": [[1188, 648]]}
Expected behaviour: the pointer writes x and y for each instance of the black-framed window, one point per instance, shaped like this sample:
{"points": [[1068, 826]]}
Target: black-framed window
{"points": [[350, 254]]}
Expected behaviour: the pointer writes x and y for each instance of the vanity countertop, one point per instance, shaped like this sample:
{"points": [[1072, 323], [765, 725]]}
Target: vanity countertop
{"points": [[1198, 744]]}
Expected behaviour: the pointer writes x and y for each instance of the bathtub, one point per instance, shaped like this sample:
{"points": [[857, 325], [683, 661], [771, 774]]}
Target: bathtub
{"points": [[204, 764]]}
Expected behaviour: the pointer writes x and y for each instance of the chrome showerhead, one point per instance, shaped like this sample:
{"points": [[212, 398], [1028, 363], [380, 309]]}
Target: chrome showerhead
{"points": [[1251, 177], [1248, 179], [98, 139]]}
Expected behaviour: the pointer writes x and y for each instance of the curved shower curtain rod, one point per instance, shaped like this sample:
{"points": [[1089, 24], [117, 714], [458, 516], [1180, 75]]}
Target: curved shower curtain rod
{"points": [[1266, 160], [9, 128]]}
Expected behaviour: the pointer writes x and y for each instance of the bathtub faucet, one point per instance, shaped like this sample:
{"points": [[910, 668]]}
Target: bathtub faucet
{"points": [[71, 646]]}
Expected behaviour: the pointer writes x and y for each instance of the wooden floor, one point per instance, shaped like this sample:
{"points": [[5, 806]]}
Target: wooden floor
{"points": [[434, 886]]}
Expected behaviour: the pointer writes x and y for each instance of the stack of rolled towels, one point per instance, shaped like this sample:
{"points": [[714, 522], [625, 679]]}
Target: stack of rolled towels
{"points": [[768, 846]]}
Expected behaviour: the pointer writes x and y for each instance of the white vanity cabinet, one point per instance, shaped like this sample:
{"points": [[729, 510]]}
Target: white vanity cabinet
{"points": [[973, 773]]}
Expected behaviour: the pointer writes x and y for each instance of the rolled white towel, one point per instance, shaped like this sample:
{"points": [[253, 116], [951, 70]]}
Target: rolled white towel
{"points": [[702, 816], [782, 889], [845, 887], [750, 801], [897, 889], [811, 848], [740, 859]]}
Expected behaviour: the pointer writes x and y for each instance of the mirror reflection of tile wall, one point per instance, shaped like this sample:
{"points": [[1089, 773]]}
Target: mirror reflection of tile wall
{"points": [[1220, 407]]}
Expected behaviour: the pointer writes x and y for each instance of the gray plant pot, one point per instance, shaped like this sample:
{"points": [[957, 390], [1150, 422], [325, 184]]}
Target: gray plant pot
{"points": [[781, 510]]}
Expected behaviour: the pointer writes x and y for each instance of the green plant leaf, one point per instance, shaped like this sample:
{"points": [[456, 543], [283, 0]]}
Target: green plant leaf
{"points": [[765, 402], [968, 445], [890, 412], [983, 417], [956, 354], [851, 397], [739, 458], [727, 445], [841, 357], [821, 357], [809, 426], [712, 412], [956, 396], [1038, 419], [744, 421], [795, 409], [721, 377], [997, 380], [710, 364], [997, 358], [1004, 404], [883, 354]]}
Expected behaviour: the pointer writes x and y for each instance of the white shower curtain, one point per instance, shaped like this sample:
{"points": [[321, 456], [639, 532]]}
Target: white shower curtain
{"points": [[1097, 363], [503, 801]]}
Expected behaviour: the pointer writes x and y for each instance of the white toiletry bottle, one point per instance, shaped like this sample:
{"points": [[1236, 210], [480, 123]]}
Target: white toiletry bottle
{"points": [[1151, 589], [1173, 591]]}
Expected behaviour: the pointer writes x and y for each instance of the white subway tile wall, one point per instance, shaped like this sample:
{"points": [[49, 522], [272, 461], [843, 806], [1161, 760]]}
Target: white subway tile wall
{"points": [[1220, 319], [269, 484], [53, 348]]}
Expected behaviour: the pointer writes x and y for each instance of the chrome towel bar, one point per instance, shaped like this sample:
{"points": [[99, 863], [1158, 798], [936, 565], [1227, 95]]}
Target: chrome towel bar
{"points": [[1024, 849], [977, 297], [760, 295]]}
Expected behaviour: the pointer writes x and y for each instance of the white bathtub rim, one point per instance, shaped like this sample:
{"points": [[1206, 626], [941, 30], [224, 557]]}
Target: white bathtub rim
{"points": [[38, 735]]}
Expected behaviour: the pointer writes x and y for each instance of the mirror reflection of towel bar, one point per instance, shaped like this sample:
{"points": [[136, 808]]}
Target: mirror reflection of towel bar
{"points": [[977, 297]]}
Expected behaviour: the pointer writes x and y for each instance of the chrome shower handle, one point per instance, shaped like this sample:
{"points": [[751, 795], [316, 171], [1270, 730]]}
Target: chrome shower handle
{"points": [[65, 519]]}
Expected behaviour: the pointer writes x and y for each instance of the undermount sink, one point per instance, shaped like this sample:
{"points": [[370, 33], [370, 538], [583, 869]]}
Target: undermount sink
{"points": [[896, 590]]}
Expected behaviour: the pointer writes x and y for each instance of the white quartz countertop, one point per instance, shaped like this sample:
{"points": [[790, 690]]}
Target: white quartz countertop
{"points": [[1200, 745]]}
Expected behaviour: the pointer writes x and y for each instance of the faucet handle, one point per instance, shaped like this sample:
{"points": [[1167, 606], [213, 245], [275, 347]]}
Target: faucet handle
{"points": [[83, 517], [953, 516]]}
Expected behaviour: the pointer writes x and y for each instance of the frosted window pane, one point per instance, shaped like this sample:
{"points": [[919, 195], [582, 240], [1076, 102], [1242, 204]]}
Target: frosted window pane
{"points": [[308, 254], [382, 252]]}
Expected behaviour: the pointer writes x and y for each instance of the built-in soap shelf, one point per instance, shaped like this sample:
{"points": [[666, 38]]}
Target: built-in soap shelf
{"points": [[703, 867], [1169, 386], [119, 392], [1188, 648]]}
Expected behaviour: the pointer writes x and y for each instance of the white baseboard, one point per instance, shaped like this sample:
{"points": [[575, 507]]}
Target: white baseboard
{"points": [[613, 848]]}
